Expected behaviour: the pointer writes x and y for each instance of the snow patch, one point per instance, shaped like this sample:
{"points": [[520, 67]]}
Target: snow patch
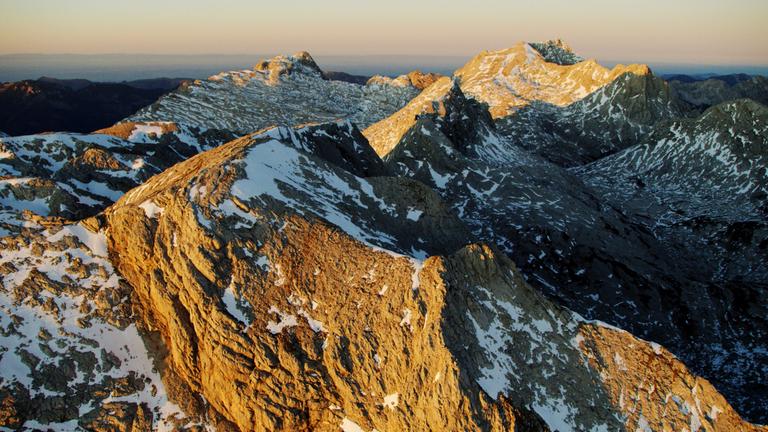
{"points": [[151, 209], [414, 215], [391, 400], [348, 425], [232, 304], [286, 320], [406, 321]]}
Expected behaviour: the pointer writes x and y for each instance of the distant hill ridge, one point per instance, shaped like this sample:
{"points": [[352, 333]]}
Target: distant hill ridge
{"points": [[76, 105]]}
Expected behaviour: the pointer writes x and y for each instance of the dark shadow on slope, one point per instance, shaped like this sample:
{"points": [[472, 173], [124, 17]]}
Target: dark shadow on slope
{"points": [[583, 250]]}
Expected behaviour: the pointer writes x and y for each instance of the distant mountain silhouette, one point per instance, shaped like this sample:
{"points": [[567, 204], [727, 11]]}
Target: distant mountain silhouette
{"points": [[75, 105], [343, 76]]}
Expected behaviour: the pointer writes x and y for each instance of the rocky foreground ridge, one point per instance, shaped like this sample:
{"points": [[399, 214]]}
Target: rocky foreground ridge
{"points": [[180, 272], [235, 259]]}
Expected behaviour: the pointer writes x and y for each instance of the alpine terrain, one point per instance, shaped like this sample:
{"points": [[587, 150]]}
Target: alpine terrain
{"points": [[535, 243]]}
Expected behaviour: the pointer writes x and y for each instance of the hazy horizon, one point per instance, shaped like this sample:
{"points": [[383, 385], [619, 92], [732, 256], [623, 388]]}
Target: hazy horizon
{"points": [[125, 67]]}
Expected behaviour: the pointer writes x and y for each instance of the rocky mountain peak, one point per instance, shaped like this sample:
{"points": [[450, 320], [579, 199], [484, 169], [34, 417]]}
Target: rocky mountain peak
{"points": [[305, 59], [422, 80], [465, 121], [278, 66], [284, 90], [512, 78], [450, 101], [556, 51]]}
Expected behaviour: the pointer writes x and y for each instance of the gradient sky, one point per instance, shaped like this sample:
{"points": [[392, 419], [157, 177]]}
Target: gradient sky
{"points": [[681, 31]]}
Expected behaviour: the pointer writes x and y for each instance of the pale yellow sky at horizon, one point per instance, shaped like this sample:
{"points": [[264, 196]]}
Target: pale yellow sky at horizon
{"points": [[682, 31]]}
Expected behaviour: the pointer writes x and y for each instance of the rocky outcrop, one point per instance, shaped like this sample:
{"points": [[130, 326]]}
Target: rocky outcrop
{"points": [[422, 80], [71, 357], [385, 134], [462, 118], [277, 67], [557, 51], [416, 79], [653, 388]]}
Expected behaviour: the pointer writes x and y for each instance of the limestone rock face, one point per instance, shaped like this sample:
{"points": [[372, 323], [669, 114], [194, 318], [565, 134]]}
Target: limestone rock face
{"points": [[279, 66], [300, 316], [422, 80], [543, 105], [385, 134], [653, 387], [462, 118]]}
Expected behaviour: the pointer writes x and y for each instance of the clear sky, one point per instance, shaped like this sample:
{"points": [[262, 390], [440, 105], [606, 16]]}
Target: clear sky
{"points": [[682, 31]]}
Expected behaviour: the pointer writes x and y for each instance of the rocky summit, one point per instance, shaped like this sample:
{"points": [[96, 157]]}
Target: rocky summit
{"points": [[536, 243]]}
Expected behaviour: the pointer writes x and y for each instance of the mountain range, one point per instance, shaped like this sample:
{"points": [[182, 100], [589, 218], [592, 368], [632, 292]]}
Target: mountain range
{"points": [[535, 243]]}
